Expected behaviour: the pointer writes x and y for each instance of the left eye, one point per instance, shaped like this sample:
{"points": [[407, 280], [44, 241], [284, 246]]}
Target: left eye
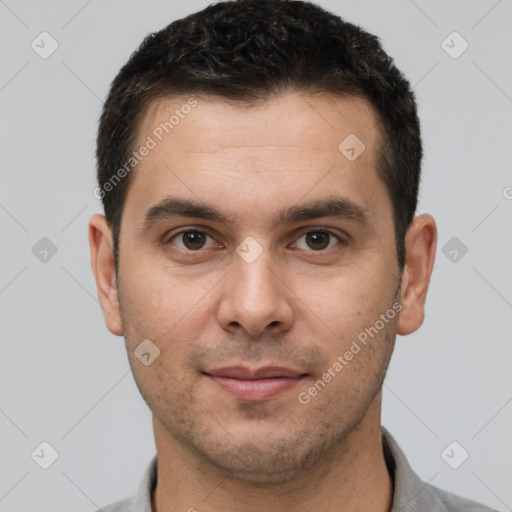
{"points": [[318, 240]]}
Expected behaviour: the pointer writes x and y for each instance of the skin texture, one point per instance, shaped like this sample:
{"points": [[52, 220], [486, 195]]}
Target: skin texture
{"points": [[300, 304]]}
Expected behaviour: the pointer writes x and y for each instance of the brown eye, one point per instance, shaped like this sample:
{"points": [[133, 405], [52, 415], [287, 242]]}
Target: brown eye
{"points": [[318, 240], [193, 239], [190, 240]]}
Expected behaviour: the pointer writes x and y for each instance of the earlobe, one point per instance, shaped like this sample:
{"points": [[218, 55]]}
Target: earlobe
{"points": [[421, 241], [102, 262]]}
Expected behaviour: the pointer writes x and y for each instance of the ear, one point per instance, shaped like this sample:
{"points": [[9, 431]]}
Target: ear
{"points": [[102, 262], [420, 247]]}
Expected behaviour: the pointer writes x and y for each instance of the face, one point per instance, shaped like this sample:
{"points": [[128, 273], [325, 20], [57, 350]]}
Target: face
{"points": [[255, 255]]}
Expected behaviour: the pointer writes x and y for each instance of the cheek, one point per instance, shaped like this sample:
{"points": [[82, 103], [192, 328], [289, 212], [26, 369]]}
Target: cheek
{"points": [[173, 309], [157, 298], [351, 303]]}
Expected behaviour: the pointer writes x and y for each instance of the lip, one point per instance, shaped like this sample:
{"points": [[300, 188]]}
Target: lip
{"points": [[255, 385]]}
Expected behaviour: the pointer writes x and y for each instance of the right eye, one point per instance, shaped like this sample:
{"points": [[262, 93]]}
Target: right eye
{"points": [[191, 240]]}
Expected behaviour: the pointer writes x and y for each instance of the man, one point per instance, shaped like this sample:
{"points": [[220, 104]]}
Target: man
{"points": [[259, 163]]}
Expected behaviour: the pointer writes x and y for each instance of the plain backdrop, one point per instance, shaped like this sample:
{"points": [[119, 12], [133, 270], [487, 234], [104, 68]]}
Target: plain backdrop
{"points": [[65, 379]]}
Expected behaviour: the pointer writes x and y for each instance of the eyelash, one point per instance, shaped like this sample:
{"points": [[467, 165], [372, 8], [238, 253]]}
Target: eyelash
{"points": [[341, 241]]}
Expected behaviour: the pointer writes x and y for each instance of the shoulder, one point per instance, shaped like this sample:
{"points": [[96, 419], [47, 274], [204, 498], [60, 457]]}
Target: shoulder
{"points": [[125, 505], [411, 494], [141, 501], [454, 503]]}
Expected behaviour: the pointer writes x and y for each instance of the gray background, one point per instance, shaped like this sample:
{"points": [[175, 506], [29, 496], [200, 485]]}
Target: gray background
{"points": [[65, 379]]}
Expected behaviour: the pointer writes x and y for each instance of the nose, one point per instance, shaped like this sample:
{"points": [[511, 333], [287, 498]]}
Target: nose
{"points": [[256, 298]]}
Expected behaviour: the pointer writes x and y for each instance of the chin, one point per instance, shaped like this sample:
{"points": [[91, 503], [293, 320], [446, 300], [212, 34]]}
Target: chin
{"points": [[255, 460]]}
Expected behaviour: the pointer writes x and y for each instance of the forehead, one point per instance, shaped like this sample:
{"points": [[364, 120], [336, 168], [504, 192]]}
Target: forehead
{"points": [[290, 119], [278, 151]]}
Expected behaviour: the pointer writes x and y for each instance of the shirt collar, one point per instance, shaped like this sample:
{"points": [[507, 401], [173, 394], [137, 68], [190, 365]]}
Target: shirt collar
{"points": [[142, 500], [410, 493]]}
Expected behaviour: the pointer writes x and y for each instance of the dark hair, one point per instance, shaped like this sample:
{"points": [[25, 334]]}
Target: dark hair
{"points": [[248, 51]]}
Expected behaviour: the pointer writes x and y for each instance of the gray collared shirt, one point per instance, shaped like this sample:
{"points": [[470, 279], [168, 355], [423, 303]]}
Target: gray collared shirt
{"points": [[410, 494]]}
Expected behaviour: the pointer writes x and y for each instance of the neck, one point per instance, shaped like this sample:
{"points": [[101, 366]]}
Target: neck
{"points": [[352, 479]]}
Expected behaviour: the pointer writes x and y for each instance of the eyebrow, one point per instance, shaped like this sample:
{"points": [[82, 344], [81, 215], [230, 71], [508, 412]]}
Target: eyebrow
{"points": [[173, 207]]}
